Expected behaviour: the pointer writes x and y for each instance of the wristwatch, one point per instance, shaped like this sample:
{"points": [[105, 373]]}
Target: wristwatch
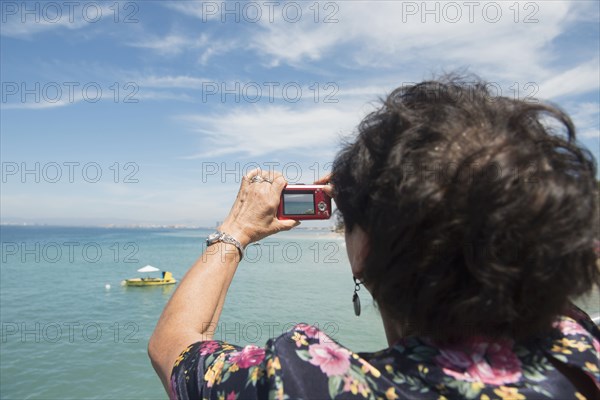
{"points": [[219, 236]]}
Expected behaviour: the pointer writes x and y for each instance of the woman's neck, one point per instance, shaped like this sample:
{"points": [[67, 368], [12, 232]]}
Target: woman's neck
{"points": [[393, 331]]}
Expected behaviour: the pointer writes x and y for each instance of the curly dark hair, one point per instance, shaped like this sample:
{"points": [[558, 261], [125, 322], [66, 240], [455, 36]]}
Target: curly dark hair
{"points": [[479, 210]]}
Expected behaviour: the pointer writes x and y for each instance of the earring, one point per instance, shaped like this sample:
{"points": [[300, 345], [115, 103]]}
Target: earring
{"points": [[355, 298]]}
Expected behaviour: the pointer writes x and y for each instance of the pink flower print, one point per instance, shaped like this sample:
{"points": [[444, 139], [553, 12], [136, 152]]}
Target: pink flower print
{"points": [[347, 383], [569, 326], [488, 362], [453, 360], [231, 396], [330, 357], [208, 347], [249, 356], [310, 331]]}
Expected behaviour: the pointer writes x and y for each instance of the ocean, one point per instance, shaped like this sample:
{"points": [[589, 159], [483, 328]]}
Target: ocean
{"points": [[66, 334]]}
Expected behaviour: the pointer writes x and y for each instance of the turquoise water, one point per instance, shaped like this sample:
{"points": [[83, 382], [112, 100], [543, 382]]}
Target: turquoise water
{"points": [[65, 336]]}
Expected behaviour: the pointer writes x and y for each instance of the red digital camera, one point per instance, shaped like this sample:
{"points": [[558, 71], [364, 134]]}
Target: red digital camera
{"points": [[304, 202]]}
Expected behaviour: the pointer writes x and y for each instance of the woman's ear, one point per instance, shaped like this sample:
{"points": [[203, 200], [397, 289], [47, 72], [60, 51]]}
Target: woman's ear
{"points": [[357, 246]]}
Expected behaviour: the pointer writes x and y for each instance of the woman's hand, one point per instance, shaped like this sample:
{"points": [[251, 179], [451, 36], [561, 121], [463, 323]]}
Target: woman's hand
{"points": [[253, 215], [328, 188]]}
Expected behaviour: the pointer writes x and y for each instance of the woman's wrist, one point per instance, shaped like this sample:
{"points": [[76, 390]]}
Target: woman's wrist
{"points": [[228, 252], [236, 232]]}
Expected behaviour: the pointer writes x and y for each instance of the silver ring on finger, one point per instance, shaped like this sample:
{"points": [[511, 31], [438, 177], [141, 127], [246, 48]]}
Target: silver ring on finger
{"points": [[259, 179]]}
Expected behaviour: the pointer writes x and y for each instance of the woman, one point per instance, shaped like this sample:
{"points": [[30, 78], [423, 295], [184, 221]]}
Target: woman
{"points": [[471, 223]]}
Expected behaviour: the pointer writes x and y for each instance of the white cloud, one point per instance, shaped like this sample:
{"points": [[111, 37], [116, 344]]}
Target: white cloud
{"points": [[586, 117], [162, 95], [581, 79], [265, 129], [197, 9], [389, 34], [294, 43], [216, 47], [24, 20], [367, 91], [169, 81], [175, 44], [171, 44], [138, 87]]}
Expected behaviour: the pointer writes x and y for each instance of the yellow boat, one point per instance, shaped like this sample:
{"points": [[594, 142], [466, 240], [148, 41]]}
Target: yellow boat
{"points": [[167, 279]]}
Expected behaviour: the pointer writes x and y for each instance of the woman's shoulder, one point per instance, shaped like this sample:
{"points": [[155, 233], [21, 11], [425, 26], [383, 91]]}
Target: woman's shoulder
{"points": [[481, 367], [305, 362], [575, 341]]}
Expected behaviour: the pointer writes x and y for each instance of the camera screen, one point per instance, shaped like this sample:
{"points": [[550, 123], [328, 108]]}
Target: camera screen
{"points": [[298, 204]]}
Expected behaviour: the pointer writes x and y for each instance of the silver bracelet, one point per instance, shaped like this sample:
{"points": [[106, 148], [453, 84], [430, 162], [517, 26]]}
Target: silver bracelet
{"points": [[219, 236]]}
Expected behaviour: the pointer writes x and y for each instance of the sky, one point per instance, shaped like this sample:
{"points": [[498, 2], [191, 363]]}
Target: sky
{"points": [[149, 112]]}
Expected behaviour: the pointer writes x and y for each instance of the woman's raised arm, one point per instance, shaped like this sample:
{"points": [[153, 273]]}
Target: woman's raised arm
{"points": [[193, 311]]}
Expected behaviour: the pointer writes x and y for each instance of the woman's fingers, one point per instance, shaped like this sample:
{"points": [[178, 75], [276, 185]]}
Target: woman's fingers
{"points": [[328, 188], [279, 182], [323, 180], [287, 224]]}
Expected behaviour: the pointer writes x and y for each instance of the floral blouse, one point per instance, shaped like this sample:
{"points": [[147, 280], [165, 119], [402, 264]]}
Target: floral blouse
{"points": [[305, 363]]}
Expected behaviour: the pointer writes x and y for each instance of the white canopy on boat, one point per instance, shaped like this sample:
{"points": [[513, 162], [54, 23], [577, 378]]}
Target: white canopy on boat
{"points": [[148, 268]]}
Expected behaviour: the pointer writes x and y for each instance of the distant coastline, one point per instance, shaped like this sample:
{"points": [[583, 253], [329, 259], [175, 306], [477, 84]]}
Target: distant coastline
{"points": [[141, 226], [108, 226]]}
